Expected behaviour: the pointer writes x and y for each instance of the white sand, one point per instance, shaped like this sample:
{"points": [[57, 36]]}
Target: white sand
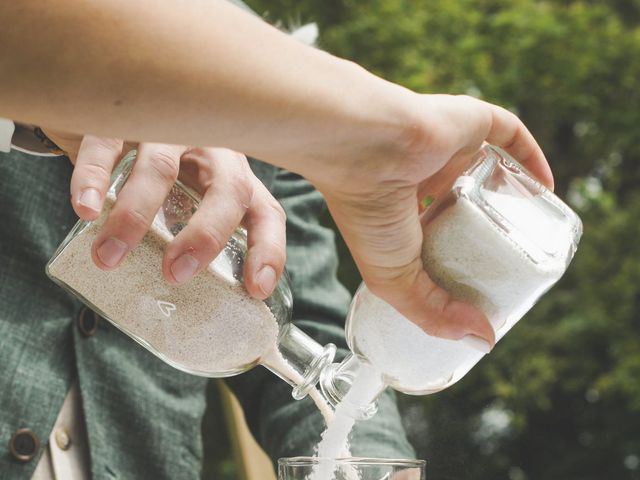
{"points": [[477, 263], [334, 444]]}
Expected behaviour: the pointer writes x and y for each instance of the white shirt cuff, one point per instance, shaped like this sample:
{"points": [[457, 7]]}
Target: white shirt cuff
{"points": [[6, 134]]}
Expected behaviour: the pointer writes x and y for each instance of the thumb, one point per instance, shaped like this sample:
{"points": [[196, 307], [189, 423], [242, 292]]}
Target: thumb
{"points": [[436, 311]]}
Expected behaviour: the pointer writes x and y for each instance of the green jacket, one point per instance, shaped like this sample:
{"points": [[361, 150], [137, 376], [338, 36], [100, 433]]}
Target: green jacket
{"points": [[143, 417]]}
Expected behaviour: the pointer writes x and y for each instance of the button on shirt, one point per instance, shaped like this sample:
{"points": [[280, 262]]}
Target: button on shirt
{"points": [[66, 457], [24, 445]]}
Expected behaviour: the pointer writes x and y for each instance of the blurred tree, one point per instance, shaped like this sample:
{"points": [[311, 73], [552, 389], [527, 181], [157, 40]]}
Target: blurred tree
{"points": [[560, 396]]}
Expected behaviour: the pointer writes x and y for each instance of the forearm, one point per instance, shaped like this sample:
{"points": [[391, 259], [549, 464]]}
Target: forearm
{"points": [[201, 72]]}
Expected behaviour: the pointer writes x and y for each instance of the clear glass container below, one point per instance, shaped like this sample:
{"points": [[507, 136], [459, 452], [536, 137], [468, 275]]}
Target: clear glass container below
{"points": [[303, 468]]}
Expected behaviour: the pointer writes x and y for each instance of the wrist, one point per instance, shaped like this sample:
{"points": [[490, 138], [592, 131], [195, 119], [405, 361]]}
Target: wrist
{"points": [[376, 127]]}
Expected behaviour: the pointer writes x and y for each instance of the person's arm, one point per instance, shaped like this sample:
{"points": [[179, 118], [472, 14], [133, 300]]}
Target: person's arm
{"points": [[204, 72], [283, 426]]}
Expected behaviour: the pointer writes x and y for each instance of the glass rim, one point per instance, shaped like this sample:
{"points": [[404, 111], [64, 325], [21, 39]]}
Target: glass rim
{"points": [[393, 462]]}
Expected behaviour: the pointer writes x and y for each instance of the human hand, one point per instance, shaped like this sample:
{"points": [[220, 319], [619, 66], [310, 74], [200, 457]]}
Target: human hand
{"points": [[375, 202], [231, 196]]}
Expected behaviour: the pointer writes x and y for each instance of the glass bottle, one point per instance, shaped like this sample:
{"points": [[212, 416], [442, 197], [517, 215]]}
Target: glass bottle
{"points": [[498, 240], [209, 326]]}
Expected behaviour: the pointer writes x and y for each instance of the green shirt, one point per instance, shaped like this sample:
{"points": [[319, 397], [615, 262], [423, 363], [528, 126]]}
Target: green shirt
{"points": [[143, 417]]}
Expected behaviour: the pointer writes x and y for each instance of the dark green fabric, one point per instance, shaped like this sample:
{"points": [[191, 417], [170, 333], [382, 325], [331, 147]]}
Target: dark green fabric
{"points": [[143, 417]]}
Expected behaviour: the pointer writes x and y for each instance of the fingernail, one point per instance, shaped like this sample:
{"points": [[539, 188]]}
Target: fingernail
{"points": [[111, 251], [184, 267], [477, 343], [90, 198], [266, 279]]}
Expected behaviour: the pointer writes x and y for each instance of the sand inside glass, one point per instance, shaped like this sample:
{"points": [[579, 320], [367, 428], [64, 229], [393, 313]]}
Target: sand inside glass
{"points": [[467, 255], [208, 326]]}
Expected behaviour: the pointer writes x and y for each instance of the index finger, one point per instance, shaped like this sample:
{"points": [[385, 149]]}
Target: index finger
{"points": [[509, 133]]}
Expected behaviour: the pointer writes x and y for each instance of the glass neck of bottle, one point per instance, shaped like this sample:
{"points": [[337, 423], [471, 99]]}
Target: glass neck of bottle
{"points": [[299, 360], [302, 362], [354, 385]]}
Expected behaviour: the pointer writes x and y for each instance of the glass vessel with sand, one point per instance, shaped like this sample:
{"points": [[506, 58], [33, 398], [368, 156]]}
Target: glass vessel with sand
{"points": [[498, 240], [209, 326]]}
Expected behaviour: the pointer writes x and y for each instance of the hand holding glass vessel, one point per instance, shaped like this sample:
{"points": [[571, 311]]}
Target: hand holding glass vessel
{"points": [[497, 240]]}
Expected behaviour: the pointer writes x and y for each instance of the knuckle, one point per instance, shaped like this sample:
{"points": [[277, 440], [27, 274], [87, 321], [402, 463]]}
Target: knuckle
{"points": [[209, 237], [165, 165], [467, 98], [134, 219], [273, 248], [243, 190], [276, 209], [105, 144], [513, 138], [240, 157], [416, 139], [278, 253], [95, 171]]}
